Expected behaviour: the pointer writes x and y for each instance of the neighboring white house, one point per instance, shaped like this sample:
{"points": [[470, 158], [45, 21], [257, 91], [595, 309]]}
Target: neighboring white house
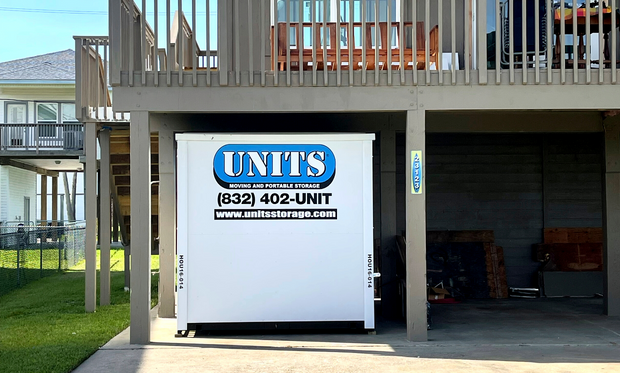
{"points": [[36, 90]]}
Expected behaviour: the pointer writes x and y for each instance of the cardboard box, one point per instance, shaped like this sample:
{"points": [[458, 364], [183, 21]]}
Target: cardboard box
{"points": [[437, 293]]}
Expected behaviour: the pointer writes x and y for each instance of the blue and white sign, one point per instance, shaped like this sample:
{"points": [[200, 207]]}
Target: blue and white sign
{"points": [[416, 172], [274, 166]]}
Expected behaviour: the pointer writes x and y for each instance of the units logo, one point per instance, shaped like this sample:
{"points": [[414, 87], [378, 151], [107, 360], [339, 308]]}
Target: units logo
{"points": [[278, 166]]}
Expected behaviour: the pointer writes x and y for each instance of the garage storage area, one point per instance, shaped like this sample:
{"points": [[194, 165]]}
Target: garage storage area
{"points": [[515, 186], [510, 213]]}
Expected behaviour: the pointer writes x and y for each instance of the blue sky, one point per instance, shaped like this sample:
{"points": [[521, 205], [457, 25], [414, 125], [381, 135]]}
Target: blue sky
{"points": [[31, 33], [33, 27]]}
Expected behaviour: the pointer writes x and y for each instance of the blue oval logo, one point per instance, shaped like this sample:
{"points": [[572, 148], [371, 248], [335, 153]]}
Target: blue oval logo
{"points": [[278, 166]]}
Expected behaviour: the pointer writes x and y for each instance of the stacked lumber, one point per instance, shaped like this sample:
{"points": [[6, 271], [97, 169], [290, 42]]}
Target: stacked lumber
{"points": [[468, 261], [571, 249]]}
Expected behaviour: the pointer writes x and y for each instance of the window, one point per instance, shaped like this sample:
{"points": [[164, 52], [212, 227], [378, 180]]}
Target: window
{"points": [[16, 113], [50, 114], [68, 113], [47, 114]]}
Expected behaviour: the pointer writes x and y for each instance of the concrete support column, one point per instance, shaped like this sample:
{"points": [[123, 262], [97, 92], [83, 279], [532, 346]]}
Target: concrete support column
{"points": [[167, 223], [390, 298], [140, 331], [104, 217], [90, 207], [416, 229], [54, 200], [43, 191], [611, 217]]}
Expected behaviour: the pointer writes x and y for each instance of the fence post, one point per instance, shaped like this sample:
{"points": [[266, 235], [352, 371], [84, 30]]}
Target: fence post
{"points": [[41, 255], [60, 246], [18, 274]]}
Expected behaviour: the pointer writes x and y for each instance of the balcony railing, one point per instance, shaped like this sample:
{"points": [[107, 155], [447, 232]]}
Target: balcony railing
{"points": [[363, 42], [41, 138], [92, 96]]}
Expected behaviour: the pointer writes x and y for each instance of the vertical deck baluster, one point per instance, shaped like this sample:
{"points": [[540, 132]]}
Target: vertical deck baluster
{"points": [[301, 46], [614, 34], [588, 46], [550, 35], [414, 41], [537, 42], [169, 54], [156, 44], [351, 42], [98, 78], [401, 42], [562, 42], [524, 41], [377, 42], [439, 64], [481, 44], [251, 42], [87, 43], [314, 38], [287, 33], [511, 40], [601, 42], [193, 41], [105, 79], [325, 45], [131, 48], [263, 43], [453, 37], [276, 42], [364, 44], [179, 42], [338, 41], [237, 42], [467, 22], [143, 42], [576, 51], [208, 43], [389, 40], [498, 43], [427, 38]]}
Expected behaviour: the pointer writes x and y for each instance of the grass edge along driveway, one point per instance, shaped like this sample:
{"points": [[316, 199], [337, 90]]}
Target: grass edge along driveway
{"points": [[43, 326]]}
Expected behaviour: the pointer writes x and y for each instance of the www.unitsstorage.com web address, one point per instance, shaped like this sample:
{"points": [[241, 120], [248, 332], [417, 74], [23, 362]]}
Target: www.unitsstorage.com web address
{"points": [[272, 214]]}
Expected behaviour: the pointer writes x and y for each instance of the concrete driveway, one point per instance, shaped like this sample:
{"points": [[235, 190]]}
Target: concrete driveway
{"points": [[515, 335]]}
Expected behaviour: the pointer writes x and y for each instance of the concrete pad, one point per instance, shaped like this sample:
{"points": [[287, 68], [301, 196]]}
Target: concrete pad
{"points": [[551, 335]]}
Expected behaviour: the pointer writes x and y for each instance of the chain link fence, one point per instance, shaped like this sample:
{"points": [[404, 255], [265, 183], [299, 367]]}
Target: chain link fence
{"points": [[28, 253]]}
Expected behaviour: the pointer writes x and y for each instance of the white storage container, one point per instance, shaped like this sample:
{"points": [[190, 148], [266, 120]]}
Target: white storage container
{"points": [[274, 228]]}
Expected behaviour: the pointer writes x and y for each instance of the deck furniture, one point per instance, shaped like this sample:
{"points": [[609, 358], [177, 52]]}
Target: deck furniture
{"points": [[595, 27], [325, 35]]}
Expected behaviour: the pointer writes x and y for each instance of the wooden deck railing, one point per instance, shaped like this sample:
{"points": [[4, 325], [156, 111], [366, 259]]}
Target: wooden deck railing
{"points": [[37, 138], [454, 42]]}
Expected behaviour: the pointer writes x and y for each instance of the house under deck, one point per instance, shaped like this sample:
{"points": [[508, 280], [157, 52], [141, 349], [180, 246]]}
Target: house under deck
{"points": [[514, 147]]}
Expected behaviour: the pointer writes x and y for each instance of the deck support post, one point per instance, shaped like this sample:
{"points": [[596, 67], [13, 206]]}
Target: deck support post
{"points": [[611, 217], [167, 222], [54, 200], [43, 192], [416, 229], [90, 207], [104, 216], [140, 331], [390, 304]]}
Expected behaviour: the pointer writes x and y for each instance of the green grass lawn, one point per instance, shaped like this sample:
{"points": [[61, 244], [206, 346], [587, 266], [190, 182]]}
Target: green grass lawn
{"points": [[43, 326]]}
